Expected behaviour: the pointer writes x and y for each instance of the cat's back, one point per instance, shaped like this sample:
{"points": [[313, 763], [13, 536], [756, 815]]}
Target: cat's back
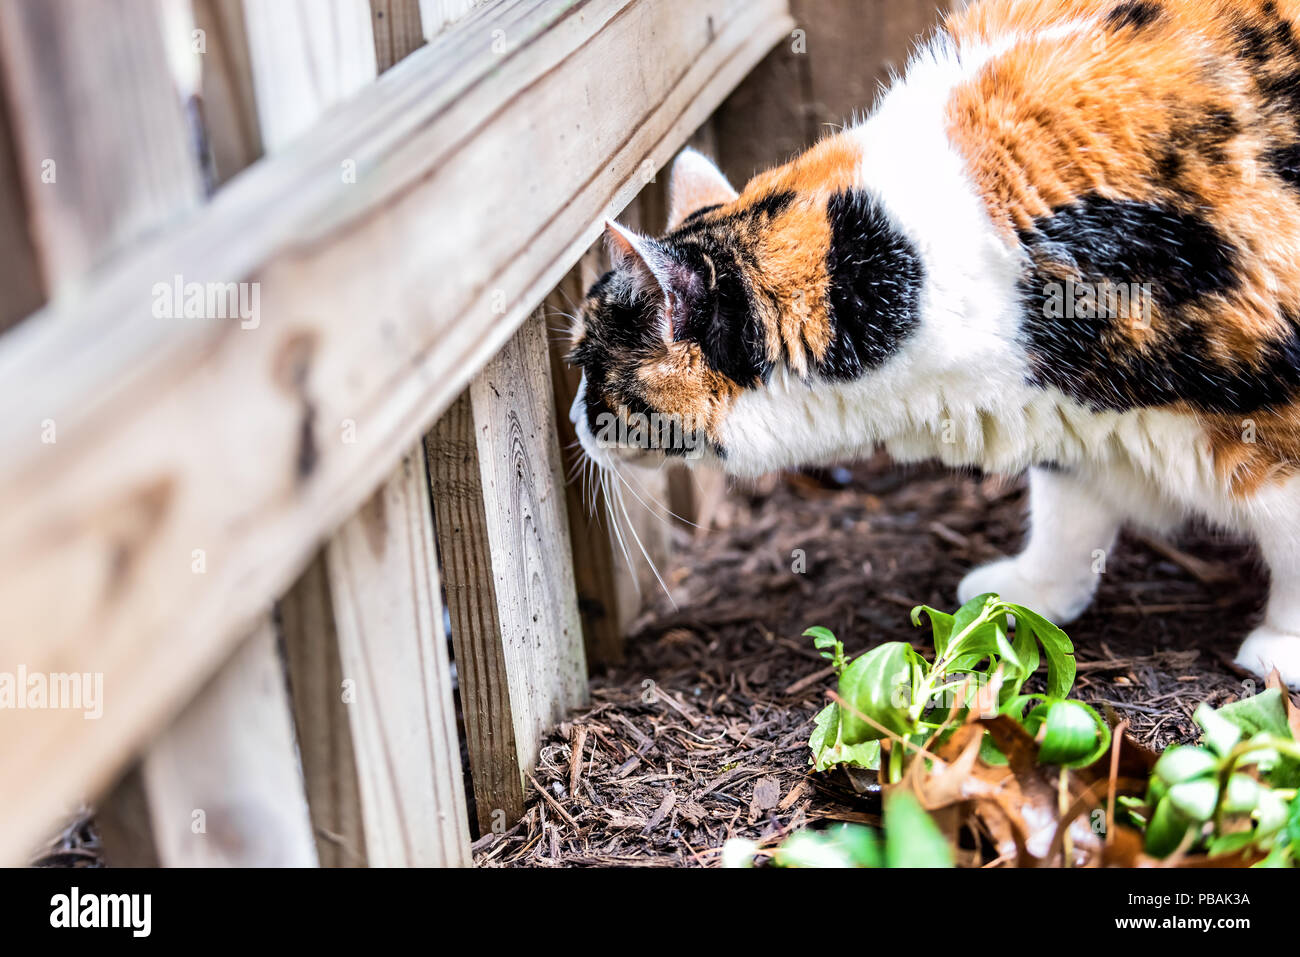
{"points": [[1155, 146]]}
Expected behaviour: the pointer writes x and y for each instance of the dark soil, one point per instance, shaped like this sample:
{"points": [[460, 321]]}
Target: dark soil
{"points": [[702, 734]]}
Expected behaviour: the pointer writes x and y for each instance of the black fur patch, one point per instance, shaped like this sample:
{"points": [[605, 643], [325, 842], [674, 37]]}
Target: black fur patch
{"points": [[699, 214], [1271, 54], [1185, 260], [718, 314], [1285, 162], [1135, 13], [875, 286], [720, 318]]}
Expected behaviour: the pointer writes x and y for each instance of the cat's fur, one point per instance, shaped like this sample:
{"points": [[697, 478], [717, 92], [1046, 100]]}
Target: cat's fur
{"points": [[891, 287]]}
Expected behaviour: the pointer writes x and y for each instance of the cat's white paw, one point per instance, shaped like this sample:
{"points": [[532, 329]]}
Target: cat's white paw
{"points": [[1267, 648], [1059, 602]]}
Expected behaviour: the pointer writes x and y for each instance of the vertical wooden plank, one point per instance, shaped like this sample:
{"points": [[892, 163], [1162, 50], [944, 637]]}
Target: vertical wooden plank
{"points": [[20, 275], [383, 576], [96, 178], [503, 535], [122, 821], [438, 15], [397, 30], [321, 715], [220, 790], [226, 87], [306, 56], [482, 664]]}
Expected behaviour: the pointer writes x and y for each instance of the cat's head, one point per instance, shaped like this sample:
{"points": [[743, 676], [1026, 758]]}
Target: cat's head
{"points": [[689, 345]]}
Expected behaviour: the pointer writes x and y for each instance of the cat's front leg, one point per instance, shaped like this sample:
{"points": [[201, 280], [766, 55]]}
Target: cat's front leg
{"points": [[1276, 642], [1071, 530]]}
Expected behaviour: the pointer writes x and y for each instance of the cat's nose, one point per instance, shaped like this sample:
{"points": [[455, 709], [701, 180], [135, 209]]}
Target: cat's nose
{"points": [[575, 410]]}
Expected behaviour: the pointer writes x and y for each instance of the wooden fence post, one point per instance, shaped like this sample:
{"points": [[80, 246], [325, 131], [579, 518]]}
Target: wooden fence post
{"points": [[504, 539], [383, 577]]}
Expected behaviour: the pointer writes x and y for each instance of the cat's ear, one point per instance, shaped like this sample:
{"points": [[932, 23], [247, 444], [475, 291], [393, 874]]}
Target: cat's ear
{"points": [[694, 184], [650, 267], [638, 255]]}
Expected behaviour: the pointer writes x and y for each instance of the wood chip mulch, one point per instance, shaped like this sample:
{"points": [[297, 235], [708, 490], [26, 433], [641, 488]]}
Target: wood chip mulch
{"points": [[702, 734]]}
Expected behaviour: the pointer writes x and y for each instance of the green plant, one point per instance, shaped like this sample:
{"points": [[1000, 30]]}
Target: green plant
{"points": [[1233, 792], [892, 692]]}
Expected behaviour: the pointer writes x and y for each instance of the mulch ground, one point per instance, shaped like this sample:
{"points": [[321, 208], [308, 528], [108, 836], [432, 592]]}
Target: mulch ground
{"points": [[702, 734]]}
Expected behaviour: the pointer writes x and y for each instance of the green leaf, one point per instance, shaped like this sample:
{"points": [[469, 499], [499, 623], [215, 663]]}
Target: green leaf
{"points": [[1265, 711], [1266, 714], [987, 640], [1276, 857], [1230, 843], [826, 731], [1166, 830], [1242, 794], [970, 612], [881, 685], [1074, 736], [1058, 648], [1015, 706], [1027, 651], [859, 842], [1185, 763], [1195, 800], [940, 626], [911, 837], [828, 750], [822, 637], [989, 752], [1272, 813], [1219, 734]]}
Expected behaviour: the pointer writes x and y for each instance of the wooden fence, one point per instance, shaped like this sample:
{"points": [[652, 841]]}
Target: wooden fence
{"points": [[246, 527]]}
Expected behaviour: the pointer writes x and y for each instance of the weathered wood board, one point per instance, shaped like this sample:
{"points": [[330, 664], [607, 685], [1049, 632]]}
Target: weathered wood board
{"points": [[503, 532]]}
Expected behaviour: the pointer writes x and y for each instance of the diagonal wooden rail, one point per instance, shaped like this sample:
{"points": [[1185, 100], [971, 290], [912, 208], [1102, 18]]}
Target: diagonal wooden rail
{"points": [[390, 253]]}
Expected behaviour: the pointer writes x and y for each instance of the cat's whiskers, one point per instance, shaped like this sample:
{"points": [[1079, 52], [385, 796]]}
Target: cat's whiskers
{"points": [[637, 538]]}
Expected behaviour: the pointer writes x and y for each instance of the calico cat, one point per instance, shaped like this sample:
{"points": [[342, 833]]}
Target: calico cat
{"points": [[1067, 239]]}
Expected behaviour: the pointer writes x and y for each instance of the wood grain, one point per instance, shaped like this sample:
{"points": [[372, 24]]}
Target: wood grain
{"points": [[397, 30], [504, 539], [461, 521], [322, 719], [380, 298]]}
